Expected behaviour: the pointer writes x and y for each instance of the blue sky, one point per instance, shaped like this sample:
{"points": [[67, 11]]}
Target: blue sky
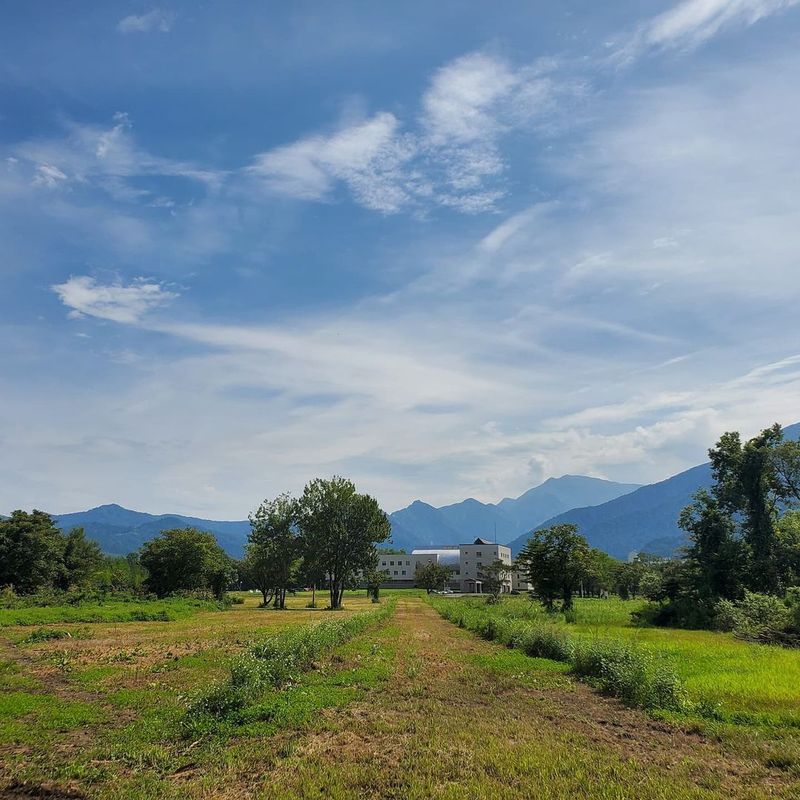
{"points": [[445, 249]]}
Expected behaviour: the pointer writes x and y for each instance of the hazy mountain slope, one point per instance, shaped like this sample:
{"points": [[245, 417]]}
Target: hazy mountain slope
{"points": [[421, 524], [119, 530], [644, 520], [629, 522], [560, 494]]}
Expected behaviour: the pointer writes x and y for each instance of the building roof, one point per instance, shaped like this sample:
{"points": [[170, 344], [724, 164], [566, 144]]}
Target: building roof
{"points": [[447, 555], [482, 541]]}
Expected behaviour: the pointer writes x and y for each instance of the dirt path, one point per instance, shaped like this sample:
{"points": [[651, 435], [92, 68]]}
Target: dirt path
{"points": [[465, 718]]}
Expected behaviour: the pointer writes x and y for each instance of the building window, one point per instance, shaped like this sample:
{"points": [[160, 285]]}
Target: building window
{"points": [[480, 563], [391, 563], [395, 572], [404, 572], [408, 563]]}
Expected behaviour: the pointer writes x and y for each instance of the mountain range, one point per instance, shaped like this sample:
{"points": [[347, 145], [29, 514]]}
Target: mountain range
{"points": [[120, 531], [422, 525], [620, 518]]}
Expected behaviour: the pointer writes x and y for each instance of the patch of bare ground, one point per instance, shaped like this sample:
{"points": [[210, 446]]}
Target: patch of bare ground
{"points": [[17, 790]]}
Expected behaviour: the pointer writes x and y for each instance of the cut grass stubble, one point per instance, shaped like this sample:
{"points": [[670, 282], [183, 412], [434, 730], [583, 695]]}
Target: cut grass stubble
{"points": [[272, 664]]}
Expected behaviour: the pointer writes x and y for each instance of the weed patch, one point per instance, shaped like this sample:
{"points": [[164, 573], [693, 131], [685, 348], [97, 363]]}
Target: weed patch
{"points": [[272, 664]]}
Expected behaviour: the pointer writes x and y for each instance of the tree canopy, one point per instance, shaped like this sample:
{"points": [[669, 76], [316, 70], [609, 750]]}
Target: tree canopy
{"points": [[341, 530], [272, 557], [186, 559], [432, 576], [554, 561]]}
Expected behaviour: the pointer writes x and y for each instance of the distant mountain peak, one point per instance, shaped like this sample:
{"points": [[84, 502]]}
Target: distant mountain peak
{"points": [[421, 524]]}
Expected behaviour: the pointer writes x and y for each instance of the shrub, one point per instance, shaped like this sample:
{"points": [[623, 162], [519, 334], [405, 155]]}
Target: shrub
{"points": [[756, 617], [45, 635], [547, 641], [630, 673]]}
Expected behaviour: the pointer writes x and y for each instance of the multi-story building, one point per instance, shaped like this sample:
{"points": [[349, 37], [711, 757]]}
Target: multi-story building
{"points": [[473, 558], [467, 562]]}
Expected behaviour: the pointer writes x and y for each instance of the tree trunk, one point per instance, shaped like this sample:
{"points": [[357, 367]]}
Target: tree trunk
{"points": [[313, 594]]}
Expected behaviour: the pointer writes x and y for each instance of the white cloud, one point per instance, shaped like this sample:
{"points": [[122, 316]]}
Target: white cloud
{"points": [[692, 22], [48, 175], [116, 301], [367, 156], [451, 157], [155, 20], [464, 98]]}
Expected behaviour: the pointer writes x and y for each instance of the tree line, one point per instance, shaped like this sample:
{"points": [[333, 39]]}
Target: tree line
{"points": [[328, 536]]}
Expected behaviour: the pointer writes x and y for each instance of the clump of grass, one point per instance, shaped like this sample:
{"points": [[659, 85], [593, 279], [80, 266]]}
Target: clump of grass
{"points": [[628, 672], [620, 669], [45, 635], [272, 664]]}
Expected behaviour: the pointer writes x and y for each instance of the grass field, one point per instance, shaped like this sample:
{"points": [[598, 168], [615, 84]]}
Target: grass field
{"points": [[410, 707], [744, 683]]}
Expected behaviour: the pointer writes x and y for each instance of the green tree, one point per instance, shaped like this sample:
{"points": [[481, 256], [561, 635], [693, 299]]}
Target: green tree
{"points": [[554, 562], [788, 548], [373, 578], [341, 529], [31, 551], [81, 558], [748, 483], [186, 559], [259, 570], [493, 576], [600, 571], [433, 577], [717, 557], [274, 547]]}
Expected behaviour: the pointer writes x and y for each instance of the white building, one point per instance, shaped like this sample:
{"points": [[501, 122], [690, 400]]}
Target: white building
{"points": [[467, 562], [473, 558]]}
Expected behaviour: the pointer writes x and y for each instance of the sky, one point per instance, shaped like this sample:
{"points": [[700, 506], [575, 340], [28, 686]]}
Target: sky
{"points": [[445, 249]]}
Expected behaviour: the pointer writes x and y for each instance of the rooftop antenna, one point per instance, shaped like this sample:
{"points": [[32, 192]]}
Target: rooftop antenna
{"points": [[495, 532]]}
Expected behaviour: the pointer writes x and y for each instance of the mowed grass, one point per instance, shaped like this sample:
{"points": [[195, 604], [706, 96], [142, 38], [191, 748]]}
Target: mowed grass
{"points": [[743, 683], [111, 611], [97, 700], [412, 707]]}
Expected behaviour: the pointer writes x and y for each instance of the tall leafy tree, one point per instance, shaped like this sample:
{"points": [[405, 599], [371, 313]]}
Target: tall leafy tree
{"points": [[82, 559], [341, 530], [186, 559], [554, 561], [717, 555], [749, 485], [274, 547], [31, 551]]}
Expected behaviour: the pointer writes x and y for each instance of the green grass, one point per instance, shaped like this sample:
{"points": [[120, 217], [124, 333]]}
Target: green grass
{"points": [[26, 717], [741, 682], [167, 610]]}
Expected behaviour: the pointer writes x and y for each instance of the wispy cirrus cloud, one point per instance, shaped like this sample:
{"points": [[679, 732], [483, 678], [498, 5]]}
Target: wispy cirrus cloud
{"points": [[692, 22], [153, 21], [104, 156]]}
